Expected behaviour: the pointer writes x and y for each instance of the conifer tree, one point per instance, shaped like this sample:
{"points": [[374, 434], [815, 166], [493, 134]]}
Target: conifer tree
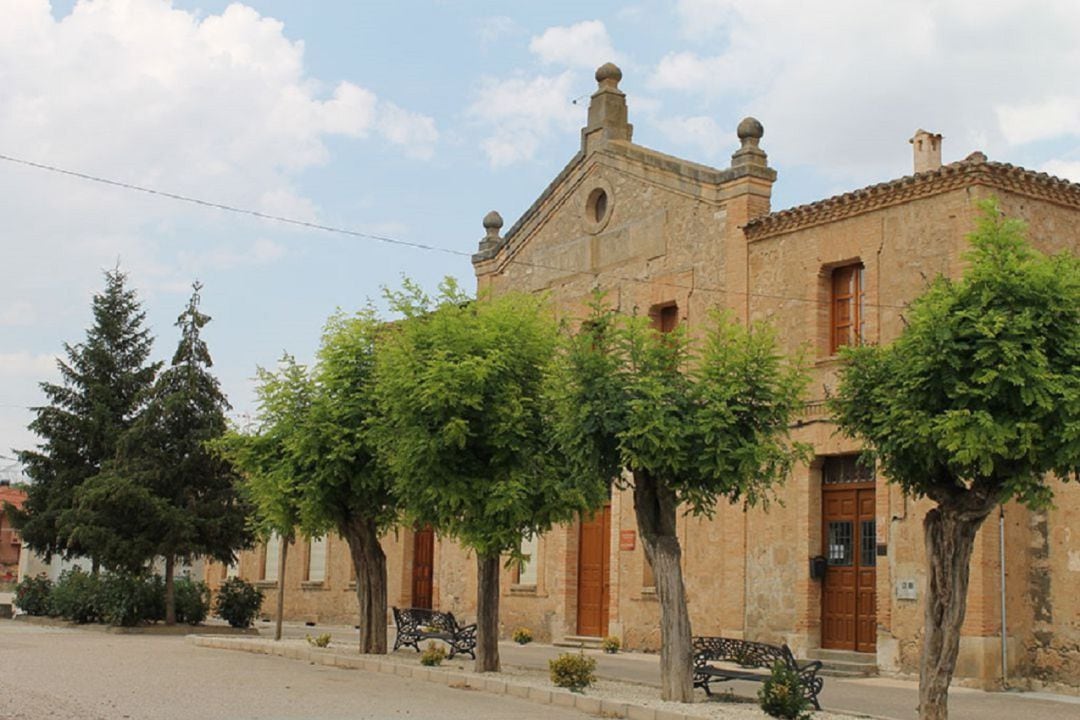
{"points": [[103, 381], [165, 466]]}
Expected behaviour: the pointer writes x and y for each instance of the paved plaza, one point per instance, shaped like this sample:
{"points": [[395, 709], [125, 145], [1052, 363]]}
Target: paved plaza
{"points": [[61, 674], [64, 674]]}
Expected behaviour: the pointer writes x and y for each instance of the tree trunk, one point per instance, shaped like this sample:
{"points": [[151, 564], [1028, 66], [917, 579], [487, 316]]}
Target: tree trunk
{"points": [[170, 590], [656, 508], [369, 563], [285, 541], [487, 613], [950, 532]]}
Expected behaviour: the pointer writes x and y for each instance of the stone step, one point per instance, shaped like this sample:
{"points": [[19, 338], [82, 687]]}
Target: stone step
{"points": [[844, 663], [848, 656], [580, 641]]}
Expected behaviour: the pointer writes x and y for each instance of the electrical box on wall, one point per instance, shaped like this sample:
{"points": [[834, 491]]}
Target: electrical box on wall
{"points": [[906, 590]]}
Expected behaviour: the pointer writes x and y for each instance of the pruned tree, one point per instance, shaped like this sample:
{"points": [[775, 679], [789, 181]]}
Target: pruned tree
{"points": [[103, 385], [311, 464], [265, 456], [348, 488], [976, 403], [463, 426], [692, 423]]}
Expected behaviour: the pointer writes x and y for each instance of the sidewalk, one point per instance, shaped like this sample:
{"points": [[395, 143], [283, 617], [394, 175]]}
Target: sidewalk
{"points": [[874, 697]]}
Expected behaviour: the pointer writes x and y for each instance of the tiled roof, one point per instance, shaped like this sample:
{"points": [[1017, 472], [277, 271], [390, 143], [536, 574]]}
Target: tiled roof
{"points": [[974, 169]]}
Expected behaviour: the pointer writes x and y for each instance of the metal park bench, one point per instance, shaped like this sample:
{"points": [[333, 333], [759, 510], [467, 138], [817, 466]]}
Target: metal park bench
{"points": [[749, 655], [414, 625]]}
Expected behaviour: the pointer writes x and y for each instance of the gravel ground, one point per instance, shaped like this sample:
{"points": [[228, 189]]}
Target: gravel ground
{"points": [[60, 674]]}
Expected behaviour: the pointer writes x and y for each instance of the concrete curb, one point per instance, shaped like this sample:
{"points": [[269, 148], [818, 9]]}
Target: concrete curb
{"points": [[495, 686]]}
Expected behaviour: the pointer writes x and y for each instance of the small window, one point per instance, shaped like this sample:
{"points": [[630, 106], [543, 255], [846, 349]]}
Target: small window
{"points": [[232, 569], [317, 559], [846, 311], [526, 574], [597, 205], [665, 318], [648, 577]]}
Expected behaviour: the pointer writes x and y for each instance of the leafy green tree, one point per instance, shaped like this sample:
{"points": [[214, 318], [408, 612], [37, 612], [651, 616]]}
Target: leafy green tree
{"points": [[692, 423], [103, 383], [976, 403], [346, 487], [462, 422], [313, 466], [165, 469], [265, 456]]}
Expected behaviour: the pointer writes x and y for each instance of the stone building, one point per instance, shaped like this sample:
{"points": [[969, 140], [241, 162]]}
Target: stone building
{"points": [[674, 239]]}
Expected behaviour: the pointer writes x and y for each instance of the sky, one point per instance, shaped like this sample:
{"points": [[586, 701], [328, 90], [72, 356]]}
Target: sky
{"points": [[411, 120]]}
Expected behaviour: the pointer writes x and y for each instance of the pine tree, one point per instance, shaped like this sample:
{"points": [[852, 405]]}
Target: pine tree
{"points": [[104, 380], [199, 509]]}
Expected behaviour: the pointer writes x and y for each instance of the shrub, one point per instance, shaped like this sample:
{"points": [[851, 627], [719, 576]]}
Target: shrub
{"points": [[32, 595], [129, 599], [782, 695], [573, 671], [433, 655], [611, 644], [76, 596], [523, 636], [192, 599], [238, 602], [319, 640]]}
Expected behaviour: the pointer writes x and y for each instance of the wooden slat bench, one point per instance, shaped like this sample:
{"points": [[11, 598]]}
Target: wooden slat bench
{"points": [[415, 625], [749, 655]]}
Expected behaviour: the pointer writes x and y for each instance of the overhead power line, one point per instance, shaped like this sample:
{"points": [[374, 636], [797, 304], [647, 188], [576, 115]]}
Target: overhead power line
{"points": [[395, 241]]}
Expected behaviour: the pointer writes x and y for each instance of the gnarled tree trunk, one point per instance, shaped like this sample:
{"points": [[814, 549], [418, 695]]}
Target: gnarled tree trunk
{"points": [[170, 590], [950, 532], [656, 508], [369, 562], [487, 613]]}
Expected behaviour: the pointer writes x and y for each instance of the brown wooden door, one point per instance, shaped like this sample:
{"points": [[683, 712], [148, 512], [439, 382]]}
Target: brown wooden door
{"points": [[849, 599], [423, 567], [594, 551]]}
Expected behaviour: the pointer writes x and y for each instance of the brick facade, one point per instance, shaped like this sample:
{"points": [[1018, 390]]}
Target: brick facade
{"points": [[672, 231]]}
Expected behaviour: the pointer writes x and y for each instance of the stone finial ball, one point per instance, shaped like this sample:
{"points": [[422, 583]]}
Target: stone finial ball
{"points": [[608, 71], [493, 221], [750, 128]]}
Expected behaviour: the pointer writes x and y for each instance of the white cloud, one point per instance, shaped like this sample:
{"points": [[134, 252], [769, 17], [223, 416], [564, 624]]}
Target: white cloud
{"points": [[492, 29], [1067, 169], [1046, 119], [700, 132], [18, 313], [22, 365], [521, 112], [215, 106], [842, 85], [585, 44]]}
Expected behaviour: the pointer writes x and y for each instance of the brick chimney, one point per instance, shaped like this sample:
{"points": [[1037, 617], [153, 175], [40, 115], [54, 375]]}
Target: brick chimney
{"points": [[927, 148]]}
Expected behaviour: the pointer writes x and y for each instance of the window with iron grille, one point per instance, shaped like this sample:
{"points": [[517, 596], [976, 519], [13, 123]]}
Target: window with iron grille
{"points": [[846, 469]]}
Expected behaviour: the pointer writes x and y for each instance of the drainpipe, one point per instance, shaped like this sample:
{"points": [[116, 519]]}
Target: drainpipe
{"points": [[1004, 635]]}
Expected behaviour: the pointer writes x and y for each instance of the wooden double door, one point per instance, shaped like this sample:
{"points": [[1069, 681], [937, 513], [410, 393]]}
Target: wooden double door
{"points": [[594, 560], [849, 599]]}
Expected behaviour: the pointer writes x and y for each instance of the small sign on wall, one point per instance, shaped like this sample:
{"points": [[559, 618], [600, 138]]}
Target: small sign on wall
{"points": [[906, 590], [627, 539]]}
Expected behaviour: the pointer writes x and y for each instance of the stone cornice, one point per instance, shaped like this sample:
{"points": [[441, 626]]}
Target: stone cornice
{"points": [[974, 170]]}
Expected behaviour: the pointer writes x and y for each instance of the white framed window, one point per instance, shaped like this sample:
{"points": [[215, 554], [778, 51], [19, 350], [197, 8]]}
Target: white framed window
{"points": [[270, 558], [530, 548], [317, 559]]}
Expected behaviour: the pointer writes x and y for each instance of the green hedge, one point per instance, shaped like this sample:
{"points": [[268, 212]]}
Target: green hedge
{"points": [[113, 598]]}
